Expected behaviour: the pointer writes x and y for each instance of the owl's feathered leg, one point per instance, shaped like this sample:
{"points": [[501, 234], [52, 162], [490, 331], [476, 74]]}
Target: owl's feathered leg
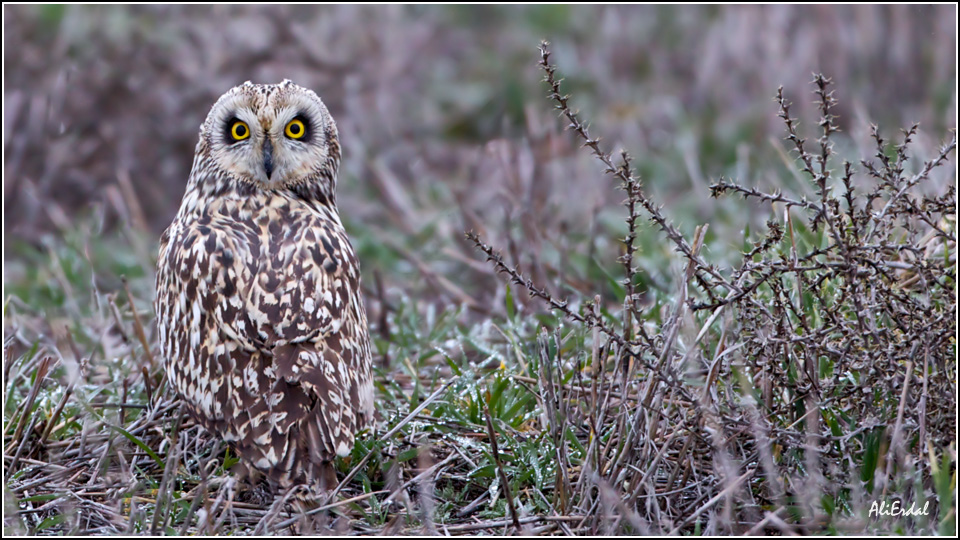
{"points": [[260, 493], [322, 478], [261, 490], [328, 477]]}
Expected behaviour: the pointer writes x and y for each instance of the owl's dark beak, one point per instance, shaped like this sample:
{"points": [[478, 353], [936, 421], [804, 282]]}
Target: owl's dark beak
{"points": [[268, 157]]}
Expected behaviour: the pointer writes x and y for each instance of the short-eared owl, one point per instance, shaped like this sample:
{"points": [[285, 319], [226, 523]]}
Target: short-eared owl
{"points": [[262, 325]]}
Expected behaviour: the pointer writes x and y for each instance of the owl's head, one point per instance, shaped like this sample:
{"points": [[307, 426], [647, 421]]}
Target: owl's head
{"points": [[265, 137]]}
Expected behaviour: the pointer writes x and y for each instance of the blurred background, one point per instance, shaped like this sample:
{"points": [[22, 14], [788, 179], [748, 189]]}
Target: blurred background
{"points": [[442, 110]]}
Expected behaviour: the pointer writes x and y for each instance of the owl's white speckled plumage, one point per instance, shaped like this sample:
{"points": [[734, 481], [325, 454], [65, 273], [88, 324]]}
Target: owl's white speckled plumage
{"points": [[262, 326]]}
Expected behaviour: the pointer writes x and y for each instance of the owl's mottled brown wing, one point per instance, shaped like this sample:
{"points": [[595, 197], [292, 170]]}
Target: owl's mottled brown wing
{"points": [[268, 337]]}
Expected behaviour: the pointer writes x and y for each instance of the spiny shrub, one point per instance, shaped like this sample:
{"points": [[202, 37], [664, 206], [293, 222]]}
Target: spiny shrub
{"points": [[814, 379]]}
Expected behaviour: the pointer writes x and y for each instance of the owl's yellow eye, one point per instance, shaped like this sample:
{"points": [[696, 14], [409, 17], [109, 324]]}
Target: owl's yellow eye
{"points": [[239, 130], [295, 129]]}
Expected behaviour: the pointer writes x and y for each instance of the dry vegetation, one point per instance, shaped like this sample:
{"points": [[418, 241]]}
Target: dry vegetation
{"points": [[770, 360]]}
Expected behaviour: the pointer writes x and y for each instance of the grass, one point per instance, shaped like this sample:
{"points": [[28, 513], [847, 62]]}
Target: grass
{"points": [[652, 400], [111, 424]]}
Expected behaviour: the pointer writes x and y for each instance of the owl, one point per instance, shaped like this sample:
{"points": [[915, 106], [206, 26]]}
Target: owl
{"points": [[262, 327]]}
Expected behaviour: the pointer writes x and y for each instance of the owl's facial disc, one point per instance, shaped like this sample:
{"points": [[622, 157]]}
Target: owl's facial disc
{"points": [[275, 137], [272, 148]]}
